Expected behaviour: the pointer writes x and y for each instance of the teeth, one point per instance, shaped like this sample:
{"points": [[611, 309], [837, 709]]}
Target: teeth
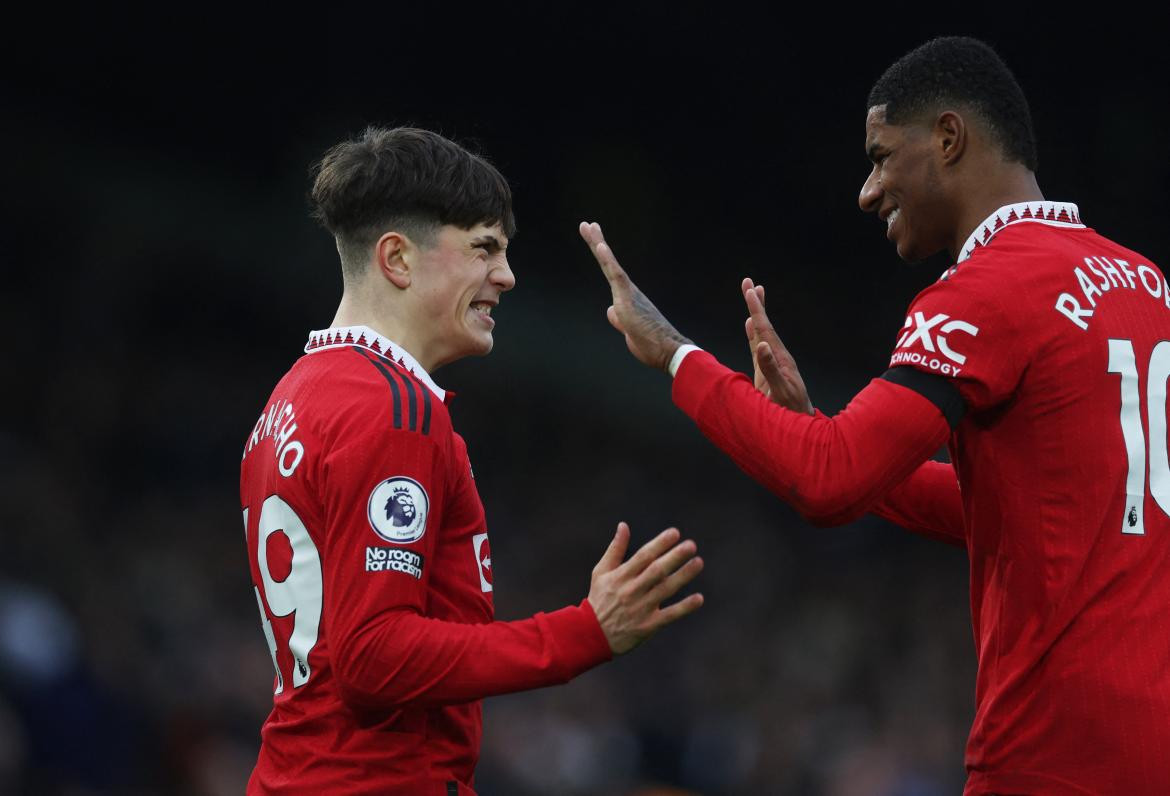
{"points": [[892, 217], [482, 306]]}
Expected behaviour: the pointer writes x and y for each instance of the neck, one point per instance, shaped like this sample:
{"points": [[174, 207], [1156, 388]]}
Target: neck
{"points": [[359, 308], [1013, 183]]}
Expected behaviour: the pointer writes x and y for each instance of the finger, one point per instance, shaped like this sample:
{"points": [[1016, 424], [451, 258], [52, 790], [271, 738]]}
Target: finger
{"points": [[746, 285], [613, 555], [650, 551], [664, 566], [756, 309], [604, 255], [676, 611], [680, 577], [749, 331], [760, 293], [762, 324]]}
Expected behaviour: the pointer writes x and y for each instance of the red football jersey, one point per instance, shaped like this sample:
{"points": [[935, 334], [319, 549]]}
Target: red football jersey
{"points": [[372, 570], [1058, 341], [1044, 356]]}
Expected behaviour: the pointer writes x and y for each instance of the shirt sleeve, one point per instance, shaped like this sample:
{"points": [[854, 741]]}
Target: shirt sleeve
{"points": [[957, 329], [386, 651], [831, 469], [927, 502]]}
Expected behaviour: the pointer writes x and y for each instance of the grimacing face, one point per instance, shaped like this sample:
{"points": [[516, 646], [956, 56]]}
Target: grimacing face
{"points": [[903, 187], [460, 280]]}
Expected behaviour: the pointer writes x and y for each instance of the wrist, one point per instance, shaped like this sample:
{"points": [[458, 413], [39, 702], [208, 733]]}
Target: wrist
{"points": [[678, 355]]}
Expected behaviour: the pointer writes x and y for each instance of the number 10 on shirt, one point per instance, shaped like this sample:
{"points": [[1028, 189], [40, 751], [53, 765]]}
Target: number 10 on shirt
{"points": [[1122, 361]]}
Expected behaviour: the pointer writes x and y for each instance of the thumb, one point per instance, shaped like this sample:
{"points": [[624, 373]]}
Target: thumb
{"points": [[612, 316], [769, 367], [616, 552]]}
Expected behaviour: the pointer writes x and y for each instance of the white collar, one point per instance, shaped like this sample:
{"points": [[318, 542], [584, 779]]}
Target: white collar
{"points": [[366, 337], [1057, 214]]}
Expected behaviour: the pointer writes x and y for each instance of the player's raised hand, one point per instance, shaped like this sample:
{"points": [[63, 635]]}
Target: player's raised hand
{"points": [[627, 597], [650, 337], [776, 374]]}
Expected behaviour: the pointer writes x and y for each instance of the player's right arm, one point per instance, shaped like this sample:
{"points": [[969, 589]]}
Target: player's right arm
{"points": [[928, 503], [388, 653]]}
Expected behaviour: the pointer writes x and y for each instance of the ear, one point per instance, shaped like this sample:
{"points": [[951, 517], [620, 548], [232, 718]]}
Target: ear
{"points": [[950, 137], [392, 254]]}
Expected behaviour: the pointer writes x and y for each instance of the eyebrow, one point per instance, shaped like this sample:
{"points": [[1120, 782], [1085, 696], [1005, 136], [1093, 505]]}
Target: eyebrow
{"points": [[490, 241], [872, 150]]}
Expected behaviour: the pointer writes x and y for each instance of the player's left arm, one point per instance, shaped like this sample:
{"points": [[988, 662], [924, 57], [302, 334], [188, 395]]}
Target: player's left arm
{"points": [[830, 469], [928, 501]]}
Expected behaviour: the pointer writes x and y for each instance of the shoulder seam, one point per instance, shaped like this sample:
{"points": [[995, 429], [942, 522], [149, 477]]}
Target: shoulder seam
{"points": [[400, 382]]}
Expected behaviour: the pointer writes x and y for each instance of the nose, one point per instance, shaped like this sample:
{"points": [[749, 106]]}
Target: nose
{"points": [[502, 276], [870, 198]]}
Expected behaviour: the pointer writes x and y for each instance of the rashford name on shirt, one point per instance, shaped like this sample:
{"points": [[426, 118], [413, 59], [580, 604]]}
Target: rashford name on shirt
{"points": [[1110, 273]]}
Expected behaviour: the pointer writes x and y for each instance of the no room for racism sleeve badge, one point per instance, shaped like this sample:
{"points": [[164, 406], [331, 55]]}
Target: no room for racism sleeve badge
{"points": [[398, 510]]}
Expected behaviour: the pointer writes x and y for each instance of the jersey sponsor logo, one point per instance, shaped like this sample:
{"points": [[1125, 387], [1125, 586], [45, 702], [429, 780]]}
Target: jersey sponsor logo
{"points": [[932, 363], [398, 510], [394, 559], [933, 335], [483, 560]]}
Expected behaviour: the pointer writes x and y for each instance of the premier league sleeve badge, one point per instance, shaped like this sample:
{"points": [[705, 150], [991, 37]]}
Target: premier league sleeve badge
{"points": [[398, 510]]}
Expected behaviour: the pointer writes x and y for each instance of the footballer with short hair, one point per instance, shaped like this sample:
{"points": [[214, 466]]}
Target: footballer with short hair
{"points": [[1040, 358], [366, 537]]}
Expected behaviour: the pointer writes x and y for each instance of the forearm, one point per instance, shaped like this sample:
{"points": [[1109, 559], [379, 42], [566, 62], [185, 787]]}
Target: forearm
{"points": [[831, 470], [401, 658], [927, 502]]}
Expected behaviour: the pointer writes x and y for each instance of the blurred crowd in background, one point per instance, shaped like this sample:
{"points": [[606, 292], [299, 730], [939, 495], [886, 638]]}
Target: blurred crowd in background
{"points": [[161, 274]]}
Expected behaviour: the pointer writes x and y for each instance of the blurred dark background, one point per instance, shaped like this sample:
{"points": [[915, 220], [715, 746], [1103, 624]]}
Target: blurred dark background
{"points": [[160, 274]]}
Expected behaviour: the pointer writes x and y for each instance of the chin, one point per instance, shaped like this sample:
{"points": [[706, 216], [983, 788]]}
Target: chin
{"points": [[477, 347], [481, 347], [911, 253]]}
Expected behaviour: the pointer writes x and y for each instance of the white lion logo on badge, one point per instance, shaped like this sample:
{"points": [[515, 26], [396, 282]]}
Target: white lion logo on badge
{"points": [[398, 510]]}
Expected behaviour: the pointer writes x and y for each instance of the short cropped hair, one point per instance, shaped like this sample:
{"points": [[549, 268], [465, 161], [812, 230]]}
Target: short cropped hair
{"points": [[408, 180], [957, 70]]}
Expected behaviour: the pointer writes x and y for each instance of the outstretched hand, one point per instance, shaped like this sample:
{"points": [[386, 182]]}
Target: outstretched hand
{"points": [[627, 597], [650, 337], [776, 374]]}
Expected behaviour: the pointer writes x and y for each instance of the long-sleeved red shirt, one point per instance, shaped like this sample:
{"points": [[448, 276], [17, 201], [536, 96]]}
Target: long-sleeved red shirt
{"points": [[372, 569], [928, 502], [831, 470], [1056, 343]]}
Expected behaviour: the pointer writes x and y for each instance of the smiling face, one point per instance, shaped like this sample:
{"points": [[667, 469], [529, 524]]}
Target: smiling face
{"points": [[459, 279], [904, 186]]}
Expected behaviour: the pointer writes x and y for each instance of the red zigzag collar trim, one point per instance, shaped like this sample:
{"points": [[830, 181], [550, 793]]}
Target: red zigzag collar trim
{"points": [[366, 337], [1059, 214]]}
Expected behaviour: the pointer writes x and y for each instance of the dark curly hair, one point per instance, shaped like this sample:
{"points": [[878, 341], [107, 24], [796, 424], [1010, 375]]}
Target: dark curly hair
{"points": [[957, 70], [404, 179]]}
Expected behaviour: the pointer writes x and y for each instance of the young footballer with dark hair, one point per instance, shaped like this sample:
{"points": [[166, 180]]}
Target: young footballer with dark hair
{"points": [[366, 536], [1040, 357]]}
